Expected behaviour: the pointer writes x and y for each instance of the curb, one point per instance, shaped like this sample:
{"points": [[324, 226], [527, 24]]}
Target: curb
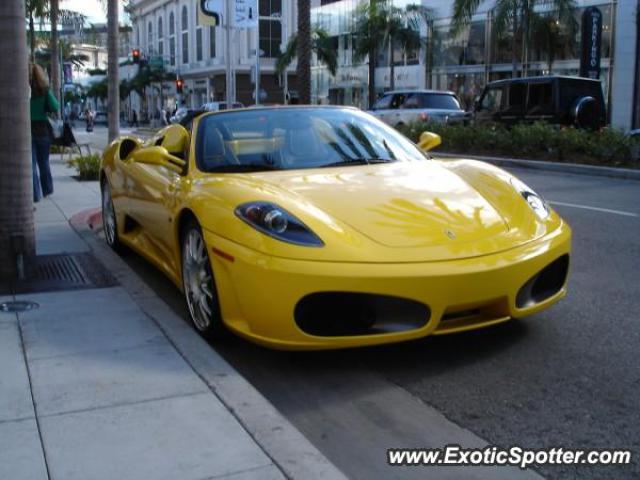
{"points": [[576, 168], [288, 449]]}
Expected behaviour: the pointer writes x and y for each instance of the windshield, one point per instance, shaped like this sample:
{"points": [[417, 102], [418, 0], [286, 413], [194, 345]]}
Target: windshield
{"points": [[295, 138]]}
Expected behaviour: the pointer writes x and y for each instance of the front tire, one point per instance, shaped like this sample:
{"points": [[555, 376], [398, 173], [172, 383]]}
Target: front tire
{"points": [[199, 285], [109, 220]]}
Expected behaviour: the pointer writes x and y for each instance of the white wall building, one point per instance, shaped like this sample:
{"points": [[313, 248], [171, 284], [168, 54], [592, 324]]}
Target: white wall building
{"points": [[168, 31]]}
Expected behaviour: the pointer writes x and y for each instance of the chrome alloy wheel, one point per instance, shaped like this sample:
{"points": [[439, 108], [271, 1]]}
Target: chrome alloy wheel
{"points": [[108, 215], [197, 280]]}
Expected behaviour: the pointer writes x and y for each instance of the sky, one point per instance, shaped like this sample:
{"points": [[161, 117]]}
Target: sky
{"points": [[93, 9]]}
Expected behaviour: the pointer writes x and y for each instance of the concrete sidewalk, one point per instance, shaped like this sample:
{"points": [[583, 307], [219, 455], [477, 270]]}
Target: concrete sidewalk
{"points": [[93, 387]]}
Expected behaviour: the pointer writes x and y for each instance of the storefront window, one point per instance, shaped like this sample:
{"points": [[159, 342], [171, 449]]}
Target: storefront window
{"points": [[467, 48]]}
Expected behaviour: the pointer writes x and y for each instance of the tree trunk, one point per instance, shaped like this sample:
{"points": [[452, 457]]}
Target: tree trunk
{"points": [[32, 38], [54, 48], [113, 99], [372, 76], [17, 237], [392, 66], [514, 45], [428, 61], [304, 51]]}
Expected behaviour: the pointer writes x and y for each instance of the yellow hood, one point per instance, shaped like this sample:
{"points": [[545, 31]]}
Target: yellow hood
{"points": [[397, 212]]}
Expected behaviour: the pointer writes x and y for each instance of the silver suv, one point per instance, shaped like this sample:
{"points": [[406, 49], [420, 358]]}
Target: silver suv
{"points": [[402, 107]]}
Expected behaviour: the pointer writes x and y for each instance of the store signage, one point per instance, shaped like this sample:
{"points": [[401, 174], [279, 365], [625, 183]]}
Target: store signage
{"points": [[591, 43]]}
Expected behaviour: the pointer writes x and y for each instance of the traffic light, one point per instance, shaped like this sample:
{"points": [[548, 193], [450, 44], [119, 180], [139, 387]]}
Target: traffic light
{"points": [[136, 55], [179, 85]]}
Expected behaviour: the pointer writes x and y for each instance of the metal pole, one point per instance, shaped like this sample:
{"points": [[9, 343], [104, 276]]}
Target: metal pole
{"points": [[285, 34], [227, 18], [61, 79]]}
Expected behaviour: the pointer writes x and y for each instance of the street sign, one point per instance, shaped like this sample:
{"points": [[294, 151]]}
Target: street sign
{"points": [[244, 14], [156, 62], [591, 41], [210, 12]]}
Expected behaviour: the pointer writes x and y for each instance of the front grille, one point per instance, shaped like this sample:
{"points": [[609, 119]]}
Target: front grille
{"points": [[329, 314]]}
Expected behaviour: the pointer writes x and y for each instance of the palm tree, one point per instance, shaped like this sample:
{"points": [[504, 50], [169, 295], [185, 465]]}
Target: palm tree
{"points": [[403, 30], [320, 45], [54, 10], [551, 37], [304, 46], [512, 17], [113, 103], [371, 33], [35, 9], [17, 235]]}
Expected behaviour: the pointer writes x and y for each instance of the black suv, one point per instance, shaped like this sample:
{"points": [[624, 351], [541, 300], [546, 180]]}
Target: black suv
{"points": [[559, 100]]}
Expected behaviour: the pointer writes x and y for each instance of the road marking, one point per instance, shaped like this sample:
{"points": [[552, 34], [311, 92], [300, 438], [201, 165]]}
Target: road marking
{"points": [[597, 209]]}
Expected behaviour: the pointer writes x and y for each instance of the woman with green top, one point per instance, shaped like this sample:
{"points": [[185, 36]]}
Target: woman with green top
{"points": [[42, 102]]}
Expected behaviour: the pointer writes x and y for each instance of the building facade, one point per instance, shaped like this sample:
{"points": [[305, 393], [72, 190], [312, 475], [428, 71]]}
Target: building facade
{"points": [[466, 62], [169, 33]]}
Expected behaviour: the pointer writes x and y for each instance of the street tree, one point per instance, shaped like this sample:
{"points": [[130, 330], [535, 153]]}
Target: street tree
{"points": [[368, 32], [17, 237], [304, 48], [54, 10], [514, 19], [552, 38], [320, 45], [113, 74]]}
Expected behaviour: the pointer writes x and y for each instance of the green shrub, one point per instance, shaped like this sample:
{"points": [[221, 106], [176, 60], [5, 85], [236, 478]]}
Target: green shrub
{"points": [[538, 141], [87, 166]]}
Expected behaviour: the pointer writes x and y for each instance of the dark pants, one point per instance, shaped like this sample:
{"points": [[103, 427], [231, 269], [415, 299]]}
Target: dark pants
{"points": [[40, 162]]}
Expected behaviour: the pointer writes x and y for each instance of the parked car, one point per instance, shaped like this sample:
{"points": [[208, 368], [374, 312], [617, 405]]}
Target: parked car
{"points": [[559, 100], [321, 228], [402, 107], [217, 106], [100, 117]]}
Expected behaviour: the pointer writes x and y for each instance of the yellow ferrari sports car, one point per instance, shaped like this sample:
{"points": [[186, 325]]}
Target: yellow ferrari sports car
{"points": [[321, 227]]}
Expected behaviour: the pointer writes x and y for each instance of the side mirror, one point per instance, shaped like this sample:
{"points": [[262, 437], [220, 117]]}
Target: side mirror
{"points": [[429, 141], [159, 156]]}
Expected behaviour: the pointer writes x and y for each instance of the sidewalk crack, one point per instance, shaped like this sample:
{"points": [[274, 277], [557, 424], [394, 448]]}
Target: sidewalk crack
{"points": [[33, 401]]}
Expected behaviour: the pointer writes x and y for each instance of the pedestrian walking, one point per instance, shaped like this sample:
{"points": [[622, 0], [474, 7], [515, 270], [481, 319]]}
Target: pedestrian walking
{"points": [[134, 119], [163, 117], [42, 102]]}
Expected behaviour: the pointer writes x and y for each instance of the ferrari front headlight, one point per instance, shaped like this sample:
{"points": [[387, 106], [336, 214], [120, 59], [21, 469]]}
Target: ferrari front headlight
{"points": [[535, 201], [276, 222]]}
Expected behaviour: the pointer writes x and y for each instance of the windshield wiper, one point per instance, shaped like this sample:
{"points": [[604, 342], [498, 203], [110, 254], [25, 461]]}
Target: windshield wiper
{"points": [[358, 161], [243, 167]]}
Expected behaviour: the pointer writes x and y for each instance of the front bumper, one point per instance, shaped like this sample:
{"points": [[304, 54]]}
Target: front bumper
{"points": [[259, 293]]}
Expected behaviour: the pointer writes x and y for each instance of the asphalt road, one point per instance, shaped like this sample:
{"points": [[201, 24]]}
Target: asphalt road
{"points": [[568, 377]]}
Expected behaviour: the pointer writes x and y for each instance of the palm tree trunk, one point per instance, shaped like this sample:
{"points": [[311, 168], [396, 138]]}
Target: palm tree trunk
{"points": [[372, 76], [304, 51], [113, 100], [54, 48], [514, 45], [17, 237], [32, 38], [392, 66]]}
